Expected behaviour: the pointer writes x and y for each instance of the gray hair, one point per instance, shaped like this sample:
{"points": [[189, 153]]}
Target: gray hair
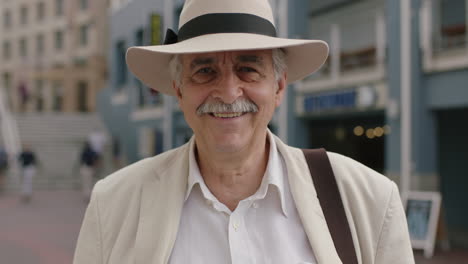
{"points": [[278, 57]]}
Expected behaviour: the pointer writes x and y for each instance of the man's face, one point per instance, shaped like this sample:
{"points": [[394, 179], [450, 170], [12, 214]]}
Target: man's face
{"points": [[227, 77]]}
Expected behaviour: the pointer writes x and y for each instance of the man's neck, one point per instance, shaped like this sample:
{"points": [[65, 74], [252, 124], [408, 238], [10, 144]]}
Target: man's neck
{"points": [[235, 176]]}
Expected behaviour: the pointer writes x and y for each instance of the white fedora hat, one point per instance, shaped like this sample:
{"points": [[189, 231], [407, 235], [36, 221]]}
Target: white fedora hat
{"points": [[223, 25]]}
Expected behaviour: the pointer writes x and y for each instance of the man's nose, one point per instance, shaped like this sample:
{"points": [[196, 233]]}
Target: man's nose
{"points": [[229, 88]]}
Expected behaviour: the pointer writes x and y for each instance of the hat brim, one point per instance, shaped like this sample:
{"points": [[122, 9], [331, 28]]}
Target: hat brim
{"points": [[150, 64]]}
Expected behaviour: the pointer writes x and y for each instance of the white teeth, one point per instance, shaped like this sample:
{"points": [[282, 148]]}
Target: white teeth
{"points": [[227, 115]]}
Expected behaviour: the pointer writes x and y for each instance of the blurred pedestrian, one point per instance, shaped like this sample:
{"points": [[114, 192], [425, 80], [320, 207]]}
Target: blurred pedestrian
{"points": [[87, 169], [28, 163], [97, 140], [3, 168]]}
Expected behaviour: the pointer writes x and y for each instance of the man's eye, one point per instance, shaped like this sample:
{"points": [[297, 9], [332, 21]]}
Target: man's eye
{"points": [[248, 74], [247, 69], [205, 70], [203, 75]]}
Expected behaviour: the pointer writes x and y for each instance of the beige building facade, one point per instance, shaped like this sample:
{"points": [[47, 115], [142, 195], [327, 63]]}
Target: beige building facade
{"points": [[53, 54]]}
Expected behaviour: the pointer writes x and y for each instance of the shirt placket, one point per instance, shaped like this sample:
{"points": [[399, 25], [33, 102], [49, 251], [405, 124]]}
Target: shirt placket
{"points": [[238, 237]]}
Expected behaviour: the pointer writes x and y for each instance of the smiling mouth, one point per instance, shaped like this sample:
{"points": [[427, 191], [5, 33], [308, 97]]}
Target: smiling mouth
{"points": [[227, 115]]}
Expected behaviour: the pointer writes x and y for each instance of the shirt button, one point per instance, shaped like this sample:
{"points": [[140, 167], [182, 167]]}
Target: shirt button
{"points": [[235, 225], [255, 205], [208, 202]]}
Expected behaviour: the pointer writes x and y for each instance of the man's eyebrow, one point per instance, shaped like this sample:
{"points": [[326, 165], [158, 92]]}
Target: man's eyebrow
{"points": [[250, 58], [201, 61]]}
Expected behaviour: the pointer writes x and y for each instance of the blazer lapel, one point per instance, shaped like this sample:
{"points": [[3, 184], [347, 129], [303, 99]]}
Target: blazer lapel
{"points": [[162, 199], [308, 206]]}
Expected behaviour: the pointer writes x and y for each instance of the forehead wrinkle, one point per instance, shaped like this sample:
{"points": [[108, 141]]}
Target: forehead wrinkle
{"points": [[201, 61], [250, 58]]}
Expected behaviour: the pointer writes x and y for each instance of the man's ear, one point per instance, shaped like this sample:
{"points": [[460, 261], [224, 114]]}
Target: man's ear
{"points": [[282, 85], [177, 90]]}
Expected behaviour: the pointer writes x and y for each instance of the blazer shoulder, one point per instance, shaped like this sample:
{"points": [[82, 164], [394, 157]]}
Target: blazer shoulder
{"points": [[350, 171], [136, 174], [362, 188]]}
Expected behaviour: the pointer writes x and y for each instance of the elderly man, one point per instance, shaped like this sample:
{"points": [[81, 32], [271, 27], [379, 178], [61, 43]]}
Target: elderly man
{"points": [[235, 193]]}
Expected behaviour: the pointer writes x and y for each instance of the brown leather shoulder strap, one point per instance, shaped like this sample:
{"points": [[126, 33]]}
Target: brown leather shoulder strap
{"points": [[331, 203]]}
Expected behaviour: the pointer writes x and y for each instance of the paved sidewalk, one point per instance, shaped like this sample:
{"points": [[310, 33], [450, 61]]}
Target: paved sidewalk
{"points": [[454, 256], [43, 231]]}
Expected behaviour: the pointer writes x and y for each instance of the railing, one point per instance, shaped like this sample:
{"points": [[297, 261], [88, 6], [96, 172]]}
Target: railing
{"points": [[361, 58], [452, 37], [444, 45], [362, 63]]}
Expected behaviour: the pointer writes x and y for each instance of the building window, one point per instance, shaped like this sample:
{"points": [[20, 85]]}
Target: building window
{"points": [[40, 45], [39, 95], [139, 37], [453, 31], [58, 40], [83, 4], [40, 11], [82, 97], [141, 88], [59, 7], [6, 80], [6, 50], [141, 96], [84, 35], [7, 86], [24, 15], [121, 76], [23, 47], [116, 152], [7, 19], [147, 97], [57, 96]]}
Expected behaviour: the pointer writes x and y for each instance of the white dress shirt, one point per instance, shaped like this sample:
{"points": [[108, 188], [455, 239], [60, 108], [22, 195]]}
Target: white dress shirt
{"points": [[264, 228]]}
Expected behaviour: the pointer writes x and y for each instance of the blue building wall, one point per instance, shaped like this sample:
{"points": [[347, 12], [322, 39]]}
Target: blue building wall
{"points": [[297, 28], [124, 24], [392, 144], [447, 100], [439, 118], [422, 120], [447, 89]]}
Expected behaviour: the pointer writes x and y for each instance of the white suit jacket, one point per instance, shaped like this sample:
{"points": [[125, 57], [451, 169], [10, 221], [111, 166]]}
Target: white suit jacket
{"points": [[133, 215]]}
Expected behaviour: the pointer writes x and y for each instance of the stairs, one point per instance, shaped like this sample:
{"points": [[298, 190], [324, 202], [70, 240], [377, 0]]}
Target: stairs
{"points": [[57, 140]]}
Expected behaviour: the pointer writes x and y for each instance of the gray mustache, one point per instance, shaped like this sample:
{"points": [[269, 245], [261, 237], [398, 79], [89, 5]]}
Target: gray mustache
{"points": [[240, 105]]}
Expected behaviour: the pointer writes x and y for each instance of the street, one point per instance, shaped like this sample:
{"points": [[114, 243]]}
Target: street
{"points": [[43, 231]]}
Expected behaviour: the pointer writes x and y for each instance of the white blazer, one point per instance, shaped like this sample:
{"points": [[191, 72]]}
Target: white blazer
{"points": [[133, 215]]}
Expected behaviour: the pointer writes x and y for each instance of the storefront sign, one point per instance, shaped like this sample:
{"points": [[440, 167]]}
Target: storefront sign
{"points": [[352, 98], [330, 101], [422, 212]]}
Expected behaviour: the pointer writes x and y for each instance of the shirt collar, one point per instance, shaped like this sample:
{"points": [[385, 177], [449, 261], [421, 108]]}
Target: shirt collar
{"points": [[275, 175], [194, 176]]}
